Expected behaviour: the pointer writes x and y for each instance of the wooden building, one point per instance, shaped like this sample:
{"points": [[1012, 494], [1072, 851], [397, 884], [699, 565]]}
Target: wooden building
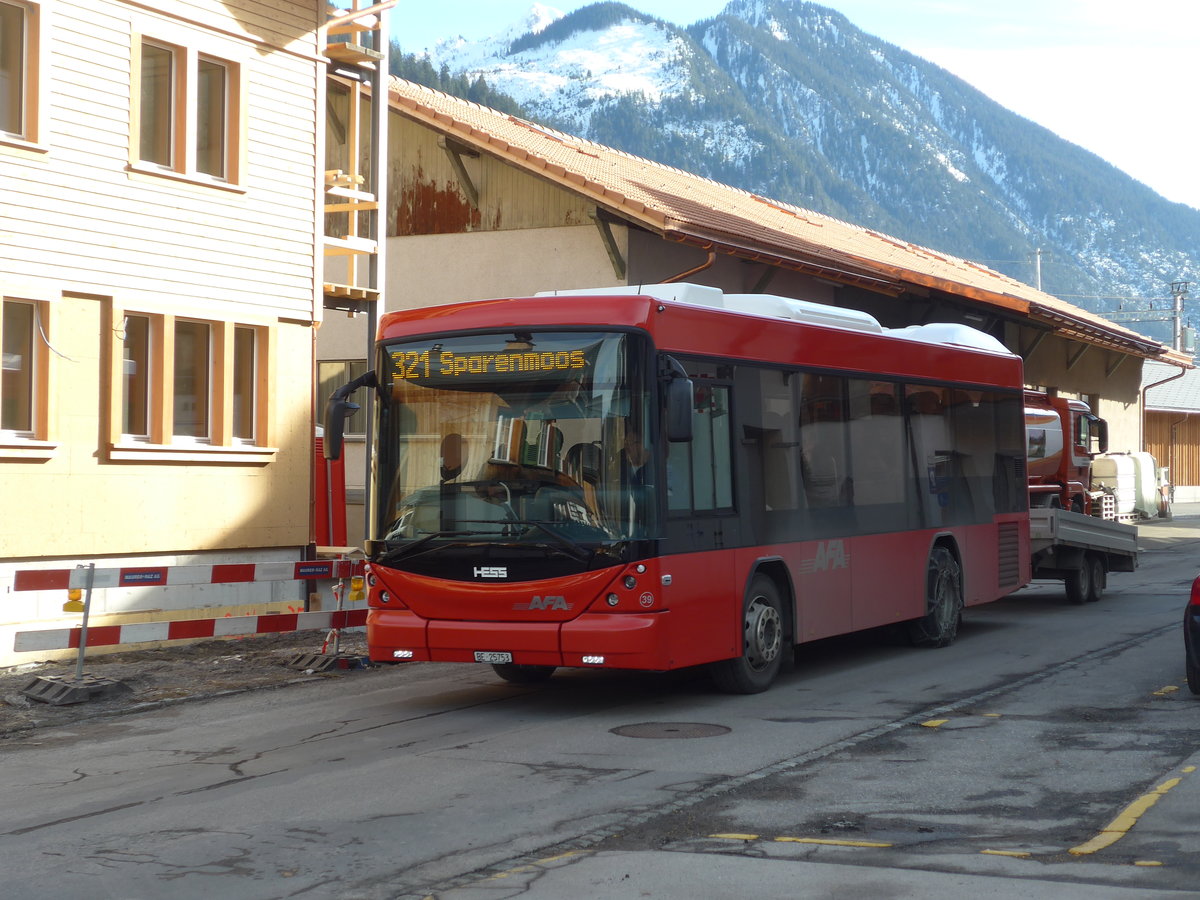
{"points": [[482, 204], [1172, 428], [161, 284]]}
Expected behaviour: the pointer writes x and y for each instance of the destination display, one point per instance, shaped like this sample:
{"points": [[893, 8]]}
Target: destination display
{"points": [[416, 365]]}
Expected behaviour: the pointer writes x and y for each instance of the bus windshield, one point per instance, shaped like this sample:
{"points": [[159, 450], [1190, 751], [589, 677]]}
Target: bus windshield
{"points": [[513, 440]]}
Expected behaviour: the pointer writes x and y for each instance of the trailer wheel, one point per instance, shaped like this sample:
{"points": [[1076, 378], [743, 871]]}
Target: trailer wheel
{"points": [[516, 674], [762, 643], [1078, 582], [1096, 577], [943, 600]]}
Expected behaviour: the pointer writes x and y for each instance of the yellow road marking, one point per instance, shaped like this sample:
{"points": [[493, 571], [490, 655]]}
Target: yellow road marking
{"points": [[800, 840], [1019, 854], [1126, 819], [934, 723], [1147, 862], [537, 864], [1163, 691], [828, 842]]}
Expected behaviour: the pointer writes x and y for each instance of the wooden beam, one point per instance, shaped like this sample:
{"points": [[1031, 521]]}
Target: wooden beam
{"points": [[765, 279], [455, 152], [1120, 358], [1073, 358], [1033, 345], [610, 242]]}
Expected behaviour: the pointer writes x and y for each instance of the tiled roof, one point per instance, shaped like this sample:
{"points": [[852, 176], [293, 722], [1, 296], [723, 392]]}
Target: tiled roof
{"points": [[688, 208]]}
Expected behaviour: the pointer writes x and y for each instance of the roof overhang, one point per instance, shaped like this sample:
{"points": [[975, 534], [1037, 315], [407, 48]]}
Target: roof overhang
{"points": [[766, 245]]}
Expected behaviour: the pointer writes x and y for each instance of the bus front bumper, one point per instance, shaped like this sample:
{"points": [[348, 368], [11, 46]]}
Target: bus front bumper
{"points": [[617, 641]]}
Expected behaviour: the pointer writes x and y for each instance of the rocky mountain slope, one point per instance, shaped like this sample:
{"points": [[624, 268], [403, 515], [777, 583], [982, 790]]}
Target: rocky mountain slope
{"points": [[790, 100]]}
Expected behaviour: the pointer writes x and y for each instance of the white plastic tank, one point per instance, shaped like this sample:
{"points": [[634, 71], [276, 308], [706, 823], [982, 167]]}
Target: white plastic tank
{"points": [[1116, 471], [1145, 484]]}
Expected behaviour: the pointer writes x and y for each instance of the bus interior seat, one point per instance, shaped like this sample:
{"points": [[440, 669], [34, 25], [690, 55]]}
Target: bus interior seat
{"points": [[453, 455]]}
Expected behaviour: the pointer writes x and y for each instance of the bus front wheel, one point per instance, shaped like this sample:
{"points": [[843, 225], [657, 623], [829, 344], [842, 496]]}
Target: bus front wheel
{"points": [[762, 643], [943, 602]]}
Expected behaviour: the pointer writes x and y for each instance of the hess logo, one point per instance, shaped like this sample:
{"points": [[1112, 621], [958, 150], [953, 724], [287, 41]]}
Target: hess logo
{"points": [[543, 603], [491, 571]]}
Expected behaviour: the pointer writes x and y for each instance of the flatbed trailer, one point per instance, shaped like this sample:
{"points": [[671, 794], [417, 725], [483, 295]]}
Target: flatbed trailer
{"points": [[1080, 549]]}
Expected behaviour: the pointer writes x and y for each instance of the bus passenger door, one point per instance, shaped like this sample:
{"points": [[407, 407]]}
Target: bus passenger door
{"points": [[701, 528], [821, 563]]}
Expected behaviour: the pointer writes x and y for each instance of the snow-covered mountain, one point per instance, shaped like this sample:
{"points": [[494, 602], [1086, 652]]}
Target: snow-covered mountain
{"points": [[790, 100]]}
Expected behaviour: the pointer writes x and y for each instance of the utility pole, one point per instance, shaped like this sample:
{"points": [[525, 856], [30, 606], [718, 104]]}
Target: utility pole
{"points": [[1179, 292], [1037, 268]]}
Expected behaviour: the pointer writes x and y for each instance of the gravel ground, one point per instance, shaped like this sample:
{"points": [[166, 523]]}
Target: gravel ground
{"points": [[173, 674]]}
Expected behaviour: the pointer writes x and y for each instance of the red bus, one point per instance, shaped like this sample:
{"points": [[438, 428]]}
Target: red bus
{"points": [[669, 476]]}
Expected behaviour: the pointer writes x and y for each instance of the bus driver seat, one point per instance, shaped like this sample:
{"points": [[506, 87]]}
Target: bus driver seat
{"points": [[454, 455]]}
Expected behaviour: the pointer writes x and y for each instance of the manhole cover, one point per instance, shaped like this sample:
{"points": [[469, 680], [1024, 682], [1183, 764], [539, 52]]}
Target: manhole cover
{"points": [[661, 730]]}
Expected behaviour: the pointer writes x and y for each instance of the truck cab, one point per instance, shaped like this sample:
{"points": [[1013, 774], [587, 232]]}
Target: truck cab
{"points": [[1062, 437]]}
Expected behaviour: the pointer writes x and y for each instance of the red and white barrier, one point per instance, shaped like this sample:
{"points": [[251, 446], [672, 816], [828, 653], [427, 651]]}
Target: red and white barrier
{"points": [[183, 629], [163, 576], [229, 626]]}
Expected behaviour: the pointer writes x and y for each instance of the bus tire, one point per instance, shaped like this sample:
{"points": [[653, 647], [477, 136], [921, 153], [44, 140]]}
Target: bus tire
{"points": [[1078, 583], [762, 643], [943, 602], [1096, 577], [516, 674]]}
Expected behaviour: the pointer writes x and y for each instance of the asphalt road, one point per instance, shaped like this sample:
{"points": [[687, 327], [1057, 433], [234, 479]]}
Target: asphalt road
{"points": [[1050, 752]]}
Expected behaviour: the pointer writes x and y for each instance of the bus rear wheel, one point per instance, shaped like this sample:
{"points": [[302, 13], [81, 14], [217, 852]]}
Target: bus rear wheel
{"points": [[943, 602], [516, 674], [762, 643]]}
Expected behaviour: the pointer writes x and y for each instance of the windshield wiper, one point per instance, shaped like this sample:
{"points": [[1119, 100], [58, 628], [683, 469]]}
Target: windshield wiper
{"points": [[404, 551], [573, 548]]}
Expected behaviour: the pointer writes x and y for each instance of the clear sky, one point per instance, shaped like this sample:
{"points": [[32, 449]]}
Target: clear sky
{"points": [[1118, 77]]}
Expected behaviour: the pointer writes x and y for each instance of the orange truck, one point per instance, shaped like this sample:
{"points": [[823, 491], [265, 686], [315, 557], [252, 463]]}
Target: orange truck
{"points": [[1062, 438]]}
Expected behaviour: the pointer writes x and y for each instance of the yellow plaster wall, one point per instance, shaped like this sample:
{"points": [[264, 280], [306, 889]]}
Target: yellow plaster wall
{"points": [[79, 503]]}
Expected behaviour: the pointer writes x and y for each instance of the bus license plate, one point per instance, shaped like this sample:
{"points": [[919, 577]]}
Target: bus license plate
{"points": [[492, 656]]}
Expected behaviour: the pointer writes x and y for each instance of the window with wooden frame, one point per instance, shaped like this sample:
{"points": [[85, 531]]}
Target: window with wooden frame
{"points": [[189, 388], [20, 78], [24, 377], [186, 111]]}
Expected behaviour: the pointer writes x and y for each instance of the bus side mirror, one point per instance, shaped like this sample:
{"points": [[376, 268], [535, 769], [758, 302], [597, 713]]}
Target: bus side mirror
{"points": [[679, 404], [337, 411], [338, 408]]}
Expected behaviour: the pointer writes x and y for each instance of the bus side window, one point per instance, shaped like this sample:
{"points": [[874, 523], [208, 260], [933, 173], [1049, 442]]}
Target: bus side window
{"points": [[700, 472], [679, 477], [823, 462], [876, 444]]}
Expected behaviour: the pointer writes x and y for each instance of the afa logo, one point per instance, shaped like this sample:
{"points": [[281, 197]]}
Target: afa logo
{"points": [[543, 603], [830, 555]]}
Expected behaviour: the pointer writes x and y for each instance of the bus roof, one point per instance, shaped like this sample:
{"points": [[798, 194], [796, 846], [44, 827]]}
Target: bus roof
{"points": [[773, 306]]}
